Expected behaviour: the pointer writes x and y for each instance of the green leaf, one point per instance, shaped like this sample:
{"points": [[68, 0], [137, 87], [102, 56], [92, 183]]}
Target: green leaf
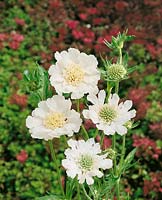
{"points": [[127, 162], [134, 125], [70, 186], [37, 84], [125, 59], [118, 42], [132, 69], [109, 183], [50, 197]]}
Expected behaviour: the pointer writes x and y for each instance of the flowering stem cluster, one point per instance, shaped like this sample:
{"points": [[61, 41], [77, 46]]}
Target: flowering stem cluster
{"points": [[86, 164]]}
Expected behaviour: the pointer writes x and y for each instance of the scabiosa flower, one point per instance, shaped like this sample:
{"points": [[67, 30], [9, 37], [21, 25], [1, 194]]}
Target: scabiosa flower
{"points": [[53, 118], [75, 72], [109, 117], [85, 159], [116, 72]]}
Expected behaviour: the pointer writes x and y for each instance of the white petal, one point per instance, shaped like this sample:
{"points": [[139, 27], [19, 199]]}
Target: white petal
{"points": [[108, 130], [94, 116], [127, 104], [106, 164], [89, 180], [51, 69], [113, 100], [71, 173], [92, 98], [101, 97], [39, 112], [32, 122], [81, 178], [77, 95], [86, 114], [121, 130], [57, 56], [132, 113], [98, 173], [58, 104], [72, 143]]}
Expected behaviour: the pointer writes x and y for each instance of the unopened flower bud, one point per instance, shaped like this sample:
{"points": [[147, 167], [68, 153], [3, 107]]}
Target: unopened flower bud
{"points": [[128, 124], [116, 72], [111, 153]]}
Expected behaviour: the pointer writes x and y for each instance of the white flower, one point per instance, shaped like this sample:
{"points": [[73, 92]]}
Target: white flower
{"points": [[84, 159], [53, 118], [109, 117], [74, 72]]}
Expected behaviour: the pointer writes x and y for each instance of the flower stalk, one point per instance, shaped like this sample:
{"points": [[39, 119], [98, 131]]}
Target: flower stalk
{"points": [[53, 155]]}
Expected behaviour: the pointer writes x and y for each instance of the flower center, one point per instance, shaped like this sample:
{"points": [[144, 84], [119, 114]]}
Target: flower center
{"points": [[86, 162], [55, 120], [116, 72], [73, 74], [107, 113]]}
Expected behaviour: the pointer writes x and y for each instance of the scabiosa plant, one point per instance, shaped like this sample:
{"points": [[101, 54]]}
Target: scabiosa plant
{"points": [[86, 162], [109, 117], [84, 159], [53, 118], [75, 73]]}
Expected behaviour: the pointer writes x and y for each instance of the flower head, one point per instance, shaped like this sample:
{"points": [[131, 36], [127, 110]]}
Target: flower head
{"points": [[53, 118], [75, 73], [110, 117], [116, 72], [84, 159]]}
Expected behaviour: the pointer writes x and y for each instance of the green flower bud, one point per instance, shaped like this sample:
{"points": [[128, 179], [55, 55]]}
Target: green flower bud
{"points": [[116, 72], [128, 124], [111, 153]]}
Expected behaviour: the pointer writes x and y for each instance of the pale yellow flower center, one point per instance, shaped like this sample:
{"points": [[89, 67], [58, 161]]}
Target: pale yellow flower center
{"points": [[107, 113], [74, 74], [86, 162], [55, 120]]}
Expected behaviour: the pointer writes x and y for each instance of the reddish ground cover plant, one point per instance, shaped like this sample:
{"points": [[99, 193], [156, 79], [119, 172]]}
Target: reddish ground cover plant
{"points": [[22, 156], [147, 147], [153, 184]]}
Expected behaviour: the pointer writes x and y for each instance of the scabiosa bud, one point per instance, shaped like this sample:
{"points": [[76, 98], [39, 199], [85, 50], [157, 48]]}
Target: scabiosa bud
{"points": [[111, 153], [116, 72], [129, 124]]}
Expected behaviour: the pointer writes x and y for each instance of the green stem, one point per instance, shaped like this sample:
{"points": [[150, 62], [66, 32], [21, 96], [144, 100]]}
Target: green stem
{"points": [[114, 148], [120, 56], [96, 133], [78, 191], [114, 142], [116, 87], [83, 129], [118, 189], [109, 88], [92, 192], [56, 165], [64, 139], [85, 132], [78, 105], [85, 193], [102, 138], [122, 153]]}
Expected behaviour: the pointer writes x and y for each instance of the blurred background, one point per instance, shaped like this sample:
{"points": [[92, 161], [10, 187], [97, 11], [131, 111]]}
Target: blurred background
{"points": [[30, 32]]}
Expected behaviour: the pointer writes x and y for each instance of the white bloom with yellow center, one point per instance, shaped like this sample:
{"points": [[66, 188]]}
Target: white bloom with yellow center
{"points": [[109, 117], [84, 160], [53, 118], [74, 72]]}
